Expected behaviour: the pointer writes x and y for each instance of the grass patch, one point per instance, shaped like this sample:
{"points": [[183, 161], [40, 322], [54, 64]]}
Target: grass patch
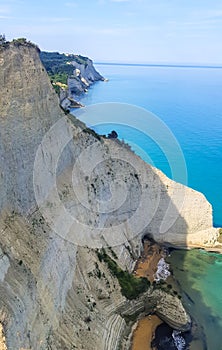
{"points": [[58, 80], [59, 77], [131, 286], [167, 288]]}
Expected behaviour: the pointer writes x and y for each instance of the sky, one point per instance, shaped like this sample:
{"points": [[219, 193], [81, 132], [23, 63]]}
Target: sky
{"points": [[135, 31]]}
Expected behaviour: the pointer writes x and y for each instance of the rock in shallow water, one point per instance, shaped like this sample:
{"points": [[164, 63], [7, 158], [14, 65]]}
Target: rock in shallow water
{"points": [[168, 339]]}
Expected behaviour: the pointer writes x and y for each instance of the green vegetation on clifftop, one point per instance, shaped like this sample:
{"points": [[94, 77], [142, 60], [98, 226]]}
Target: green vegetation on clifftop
{"points": [[59, 66], [56, 63], [4, 44]]}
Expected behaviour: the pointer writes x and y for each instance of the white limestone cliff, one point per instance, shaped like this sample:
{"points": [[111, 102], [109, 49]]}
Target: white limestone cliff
{"points": [[91, 192]]}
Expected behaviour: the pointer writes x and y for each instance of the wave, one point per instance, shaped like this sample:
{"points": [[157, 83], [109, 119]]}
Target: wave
{"points": [[162, 271], [179, 341]]}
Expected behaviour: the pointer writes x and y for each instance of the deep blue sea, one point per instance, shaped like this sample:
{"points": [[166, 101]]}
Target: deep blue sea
{"points": [[189, 101]]}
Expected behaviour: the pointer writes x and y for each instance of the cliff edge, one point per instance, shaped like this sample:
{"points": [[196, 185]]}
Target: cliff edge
{"points": [[71, 76], [66, 192]]}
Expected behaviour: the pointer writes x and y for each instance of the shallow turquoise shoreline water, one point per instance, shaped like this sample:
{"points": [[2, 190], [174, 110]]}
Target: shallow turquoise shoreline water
{"points": [[200, 276]]}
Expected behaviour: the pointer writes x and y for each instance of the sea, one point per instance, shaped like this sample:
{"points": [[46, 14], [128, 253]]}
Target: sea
{"points": [[182, 105]]}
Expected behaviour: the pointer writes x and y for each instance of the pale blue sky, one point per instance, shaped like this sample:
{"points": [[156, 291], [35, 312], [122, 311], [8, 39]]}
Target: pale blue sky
{"points": [[160, 31]]}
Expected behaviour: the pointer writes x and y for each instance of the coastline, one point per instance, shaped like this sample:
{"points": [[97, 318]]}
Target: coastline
{"points": [[147, 269], [190, 270], [212, 249], [146, 266], [145, 332]]}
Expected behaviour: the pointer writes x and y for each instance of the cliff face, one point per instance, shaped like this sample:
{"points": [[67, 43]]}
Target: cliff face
{"points": [[64, 191], [84, 75], [80, 72], [25, 95]]}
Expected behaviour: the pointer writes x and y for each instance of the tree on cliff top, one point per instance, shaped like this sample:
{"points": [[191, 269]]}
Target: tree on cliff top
{"points": [[24, 42], [2, 39], [113, 135], [16, 42]]}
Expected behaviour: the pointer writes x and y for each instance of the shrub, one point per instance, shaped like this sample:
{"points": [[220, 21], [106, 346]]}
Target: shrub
{"points": [[58, 78], [131, 286], [23, 42], [113, 135], [92, 132], [2, 39]]}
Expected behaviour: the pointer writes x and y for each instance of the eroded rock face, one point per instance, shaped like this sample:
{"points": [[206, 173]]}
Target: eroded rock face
{"points": [[55, 293], [170, 309], [81, 75], [84, 75], [28, 108]]}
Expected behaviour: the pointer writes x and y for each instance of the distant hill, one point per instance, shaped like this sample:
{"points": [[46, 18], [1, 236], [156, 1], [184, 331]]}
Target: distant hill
{"points": [[70, 74], [56, 62]]}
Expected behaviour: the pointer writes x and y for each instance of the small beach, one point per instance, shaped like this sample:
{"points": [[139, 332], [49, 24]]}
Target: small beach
{"points": [[146, 267], [145, 333]]}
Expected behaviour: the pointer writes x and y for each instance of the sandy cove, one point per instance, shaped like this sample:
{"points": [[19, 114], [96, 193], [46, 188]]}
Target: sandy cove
{"points": [[145, 332], [146, 266]]}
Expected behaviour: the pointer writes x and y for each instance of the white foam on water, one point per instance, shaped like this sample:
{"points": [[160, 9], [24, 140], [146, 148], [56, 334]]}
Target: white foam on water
{"points": [[178, 340], [162, 270]]}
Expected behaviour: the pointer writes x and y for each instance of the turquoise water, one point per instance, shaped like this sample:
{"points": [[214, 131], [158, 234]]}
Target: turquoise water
{"points": [[189, 101], [199, 274]]}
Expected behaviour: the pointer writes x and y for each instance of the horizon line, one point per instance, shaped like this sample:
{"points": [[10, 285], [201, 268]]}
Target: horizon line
{"points": [[168, 65]]}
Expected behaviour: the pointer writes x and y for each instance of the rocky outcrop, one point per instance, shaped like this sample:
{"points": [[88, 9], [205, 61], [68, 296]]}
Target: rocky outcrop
{"points": [[80, 71], [84, 75], [168, 307], [66, 192]]}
